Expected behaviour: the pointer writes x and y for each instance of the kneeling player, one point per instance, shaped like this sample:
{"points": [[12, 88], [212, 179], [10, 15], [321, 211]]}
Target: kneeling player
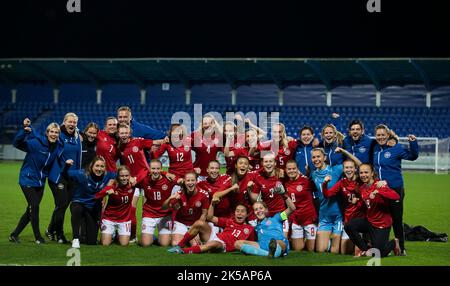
{"points": [[117, 212], [157, 189]]}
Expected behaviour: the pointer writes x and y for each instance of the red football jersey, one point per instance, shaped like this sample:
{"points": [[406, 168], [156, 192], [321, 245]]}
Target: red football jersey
{"points": [[378, 213], [205, 151], [300, 191], [349, 190], [275, 202], [242, 196], [180, 158], [223, 182], [254, 160], [233, 231], [132, 155], [282, 154], [156, 193], [118, 207], [107, 148], [191, 207]]}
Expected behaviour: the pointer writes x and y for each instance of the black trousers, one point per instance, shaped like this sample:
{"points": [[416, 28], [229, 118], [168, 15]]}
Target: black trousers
{"points": [[33, 195], [396, 208], [90, 217], [97, 211], [378, 236], [62, 195]]}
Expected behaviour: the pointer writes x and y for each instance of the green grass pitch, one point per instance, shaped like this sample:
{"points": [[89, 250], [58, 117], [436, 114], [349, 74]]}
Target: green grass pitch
{"points": [[427, 203]]}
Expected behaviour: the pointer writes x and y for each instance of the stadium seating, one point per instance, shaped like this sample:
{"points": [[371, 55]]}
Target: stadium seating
{"points": [[422, 121]]}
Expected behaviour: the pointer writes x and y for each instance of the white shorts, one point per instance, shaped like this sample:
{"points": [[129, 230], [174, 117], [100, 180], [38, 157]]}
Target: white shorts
{"points": [[149, 224], [308, 231], [344, 235], [285, 224], [180, 228], [214, 237], [110, 227]]}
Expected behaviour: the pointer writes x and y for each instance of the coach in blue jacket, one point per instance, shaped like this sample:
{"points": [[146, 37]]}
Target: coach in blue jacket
{"points": [[41, 153], [387, 163], [61, 189], [139, 129], [357, 143]]}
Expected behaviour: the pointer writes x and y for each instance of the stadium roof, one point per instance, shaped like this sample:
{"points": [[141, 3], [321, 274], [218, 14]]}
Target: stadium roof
{"points": [[431, 73]]}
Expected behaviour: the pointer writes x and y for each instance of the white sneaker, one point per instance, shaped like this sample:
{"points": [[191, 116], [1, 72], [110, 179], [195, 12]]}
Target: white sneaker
{"points": [[76, 243], [134, 240]]}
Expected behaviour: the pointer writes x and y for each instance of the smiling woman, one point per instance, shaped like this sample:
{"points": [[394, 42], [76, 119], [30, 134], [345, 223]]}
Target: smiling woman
{"points": [[61, 190]]}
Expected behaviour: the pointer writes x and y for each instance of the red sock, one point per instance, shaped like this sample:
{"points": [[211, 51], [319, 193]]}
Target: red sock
{"points": [[187, 237], [193, 249]]}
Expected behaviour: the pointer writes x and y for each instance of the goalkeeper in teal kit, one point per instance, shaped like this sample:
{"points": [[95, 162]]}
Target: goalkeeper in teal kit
{"points": [[271, 241]]}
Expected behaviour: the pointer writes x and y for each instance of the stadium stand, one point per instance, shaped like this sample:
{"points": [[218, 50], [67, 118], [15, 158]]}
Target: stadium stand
{"points": [[402, 84]]}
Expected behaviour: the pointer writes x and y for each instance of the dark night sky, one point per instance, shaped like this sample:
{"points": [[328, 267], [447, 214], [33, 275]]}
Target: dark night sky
{"points": [[167, 28]]}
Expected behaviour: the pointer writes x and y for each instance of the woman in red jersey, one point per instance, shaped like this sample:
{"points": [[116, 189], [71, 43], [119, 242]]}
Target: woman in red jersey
{"points": [[252, 137], [205, 143], [237, 192], [178, 149], [234, 228], [304, 219], [132, 155], [281, 145], [116, 216], [107, 144], [132, 151], [378, 220], [268, 185], [157, 189], [215, 182], [190, 204], [348, 188]]}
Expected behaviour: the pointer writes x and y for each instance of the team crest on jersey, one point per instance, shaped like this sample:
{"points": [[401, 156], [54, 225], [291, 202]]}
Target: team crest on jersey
{"points": [[105, 139], [135, 149], [164, 187], [238, 145], [184, 204], [246, 231], [362, 149], [387, 155], [186, 148], [287, 151], [268, 222], [198, 204], [130, 190], [299, 188]]}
